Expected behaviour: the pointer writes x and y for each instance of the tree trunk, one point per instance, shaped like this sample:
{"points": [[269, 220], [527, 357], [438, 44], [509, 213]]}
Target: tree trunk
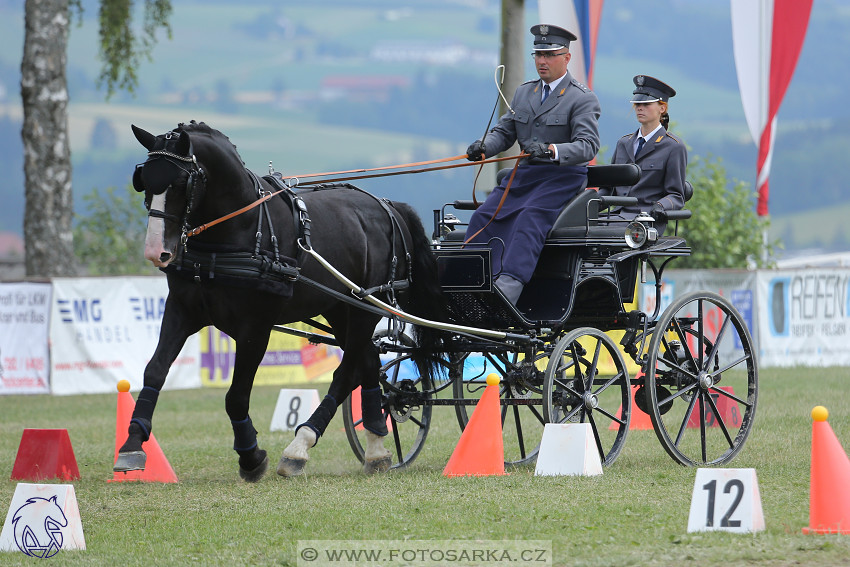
{"points": [[514, 35], [513, 40], [48, 237]]}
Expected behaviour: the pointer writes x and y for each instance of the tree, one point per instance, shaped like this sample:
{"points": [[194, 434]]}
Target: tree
{"points": [[724, 230], [44, 94], [109, 239]]}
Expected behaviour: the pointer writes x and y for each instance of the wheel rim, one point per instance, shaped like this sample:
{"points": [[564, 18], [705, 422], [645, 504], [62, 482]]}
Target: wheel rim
{"points": [[587, 382], [701, 368], [519, 394]]}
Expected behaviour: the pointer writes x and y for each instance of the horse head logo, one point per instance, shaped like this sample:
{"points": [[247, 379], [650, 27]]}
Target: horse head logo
{"points": [[38, 527]]}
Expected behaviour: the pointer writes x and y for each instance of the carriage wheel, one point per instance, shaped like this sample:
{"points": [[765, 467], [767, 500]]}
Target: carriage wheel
{"points": [[587, 382], [701, 382], [519, 391], [408, 419]]}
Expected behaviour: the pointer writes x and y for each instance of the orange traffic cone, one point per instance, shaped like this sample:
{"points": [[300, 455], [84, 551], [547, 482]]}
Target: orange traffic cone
{"points": [[639, 418], [157, 467], [829, 496], [480, 450]]}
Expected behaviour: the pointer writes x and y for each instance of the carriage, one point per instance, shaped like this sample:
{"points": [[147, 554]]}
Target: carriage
{"points": [[242, 259], [561, 358]]}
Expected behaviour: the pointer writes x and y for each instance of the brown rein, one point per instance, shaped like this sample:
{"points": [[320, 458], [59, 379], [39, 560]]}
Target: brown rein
{"points": [[201, 228]]}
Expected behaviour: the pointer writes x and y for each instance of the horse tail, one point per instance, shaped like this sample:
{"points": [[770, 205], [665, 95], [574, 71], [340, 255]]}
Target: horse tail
{"points": [[425, 298]]}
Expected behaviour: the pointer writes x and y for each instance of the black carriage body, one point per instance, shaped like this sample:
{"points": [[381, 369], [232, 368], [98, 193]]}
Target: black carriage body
{"points": [[585, 275]]}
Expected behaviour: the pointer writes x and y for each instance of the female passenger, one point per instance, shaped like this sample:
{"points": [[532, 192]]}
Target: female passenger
{"points": [[661, 156]]}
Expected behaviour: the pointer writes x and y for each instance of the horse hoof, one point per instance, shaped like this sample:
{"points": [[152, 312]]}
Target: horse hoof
{"points": [[291, 467], [380, 465], [131, 461], [255, 474]]}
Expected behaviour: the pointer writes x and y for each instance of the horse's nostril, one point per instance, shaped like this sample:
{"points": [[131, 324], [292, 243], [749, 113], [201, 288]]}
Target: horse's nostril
{"points": [[165, 257]]}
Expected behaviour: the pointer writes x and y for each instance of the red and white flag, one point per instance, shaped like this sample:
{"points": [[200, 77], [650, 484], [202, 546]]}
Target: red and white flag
{"points": [[767, 37]]}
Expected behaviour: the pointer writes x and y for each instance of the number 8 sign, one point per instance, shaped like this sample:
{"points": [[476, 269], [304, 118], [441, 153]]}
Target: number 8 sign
{"points": [[726, 500], [293, 408]]}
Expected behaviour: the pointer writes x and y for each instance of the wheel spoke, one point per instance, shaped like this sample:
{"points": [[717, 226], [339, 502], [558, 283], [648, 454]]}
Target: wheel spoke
{"points": [[719, 419], [685, 420], [680, 393], [717, 342], [596, 437], [731, 396], [519, 433]]}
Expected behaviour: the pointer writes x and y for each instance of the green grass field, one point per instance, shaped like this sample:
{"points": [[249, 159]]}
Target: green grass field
{"points": [[636, 513]]}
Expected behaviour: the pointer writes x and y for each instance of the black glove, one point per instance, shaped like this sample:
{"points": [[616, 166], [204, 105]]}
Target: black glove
{"points": [[658, 213], [476, 151], [538, 152]]}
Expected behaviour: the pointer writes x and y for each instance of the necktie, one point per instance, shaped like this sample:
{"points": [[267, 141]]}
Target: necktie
{"points": [[641, 142], [546, 90]]}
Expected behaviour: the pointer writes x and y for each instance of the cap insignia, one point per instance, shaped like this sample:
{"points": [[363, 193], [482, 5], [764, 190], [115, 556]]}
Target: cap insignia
{"points": [[640, 80], [544, 30]]}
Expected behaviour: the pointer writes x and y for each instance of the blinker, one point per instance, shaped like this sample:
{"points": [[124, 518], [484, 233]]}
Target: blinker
{"points": [[155, 175]]}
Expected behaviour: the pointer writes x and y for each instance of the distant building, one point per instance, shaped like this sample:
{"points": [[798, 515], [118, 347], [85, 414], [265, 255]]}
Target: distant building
{"points": [[361, 89], [432, 53]]}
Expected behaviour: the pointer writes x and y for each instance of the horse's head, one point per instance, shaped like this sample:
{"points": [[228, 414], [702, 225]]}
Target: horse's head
{"points": [[171, 180]]}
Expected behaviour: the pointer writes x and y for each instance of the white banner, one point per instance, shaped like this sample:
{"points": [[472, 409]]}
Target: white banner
{"points": [[805, 318], [24, 357], [103, 330]]}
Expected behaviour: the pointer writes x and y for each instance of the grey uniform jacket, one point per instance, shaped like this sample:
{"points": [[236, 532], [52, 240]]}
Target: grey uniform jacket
{"points": [[662, 161], [568, 119]]}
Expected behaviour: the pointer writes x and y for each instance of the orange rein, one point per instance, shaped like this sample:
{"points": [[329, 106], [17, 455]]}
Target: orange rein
{"points": [[201, 228]]}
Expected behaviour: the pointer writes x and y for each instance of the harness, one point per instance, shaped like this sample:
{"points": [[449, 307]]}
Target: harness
{"points": [[261, 269]]}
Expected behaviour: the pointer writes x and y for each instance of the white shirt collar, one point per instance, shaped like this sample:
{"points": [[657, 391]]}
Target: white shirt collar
{"points": [[650, 135], [554, 84]]}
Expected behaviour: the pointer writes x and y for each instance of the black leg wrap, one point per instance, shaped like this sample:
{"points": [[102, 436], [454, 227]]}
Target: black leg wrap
{"points": [[143, 413], [244, 435], [323, 415], [373, 416]]}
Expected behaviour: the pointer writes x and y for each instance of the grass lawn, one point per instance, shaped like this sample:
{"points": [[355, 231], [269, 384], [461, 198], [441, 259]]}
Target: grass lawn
{"points": [[636, 513]]}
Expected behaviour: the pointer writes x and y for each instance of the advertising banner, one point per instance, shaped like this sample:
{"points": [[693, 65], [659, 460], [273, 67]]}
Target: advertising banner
{"points": [[805, 318], [24, 323], [106, 329], [288, 359]]}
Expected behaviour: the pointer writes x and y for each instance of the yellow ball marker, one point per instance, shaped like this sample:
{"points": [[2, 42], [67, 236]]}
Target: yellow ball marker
{"points": [[123, 385], [820, 413], [493, 379]]}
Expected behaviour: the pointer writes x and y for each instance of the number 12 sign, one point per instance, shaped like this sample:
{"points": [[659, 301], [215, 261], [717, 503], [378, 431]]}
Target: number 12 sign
{"points": [[726, 500]]}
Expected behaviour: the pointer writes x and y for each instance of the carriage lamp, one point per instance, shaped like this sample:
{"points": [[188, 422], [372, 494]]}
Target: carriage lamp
{"points": [[640, 231]]}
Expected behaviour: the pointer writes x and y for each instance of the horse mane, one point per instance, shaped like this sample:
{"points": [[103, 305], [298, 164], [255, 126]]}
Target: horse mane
{"points": [[215, 135]]}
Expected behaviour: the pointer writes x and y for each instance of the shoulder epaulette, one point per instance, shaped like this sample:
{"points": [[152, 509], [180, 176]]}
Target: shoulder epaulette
{"points": [[674, 137], [579, 85]]}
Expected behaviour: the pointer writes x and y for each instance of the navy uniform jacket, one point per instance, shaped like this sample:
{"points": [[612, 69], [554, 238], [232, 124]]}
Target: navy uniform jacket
{"points": [[568, 119], [662, 160]]}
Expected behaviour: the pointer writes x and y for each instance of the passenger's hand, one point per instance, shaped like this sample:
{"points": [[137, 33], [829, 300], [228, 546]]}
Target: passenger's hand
{"points": [[658, 212], [476, 151], [538, 152]]}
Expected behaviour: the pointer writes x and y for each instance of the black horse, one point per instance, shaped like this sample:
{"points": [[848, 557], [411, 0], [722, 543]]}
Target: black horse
{"points": [[250, 272]]}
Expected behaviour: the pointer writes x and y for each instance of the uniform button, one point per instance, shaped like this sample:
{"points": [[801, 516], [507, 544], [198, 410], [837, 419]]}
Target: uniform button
{"points": [[534, 139], [537, 123]]}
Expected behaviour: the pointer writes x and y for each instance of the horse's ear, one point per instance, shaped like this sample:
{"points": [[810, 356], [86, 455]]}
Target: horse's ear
{"points": [[184, 144], [144, 137]]}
